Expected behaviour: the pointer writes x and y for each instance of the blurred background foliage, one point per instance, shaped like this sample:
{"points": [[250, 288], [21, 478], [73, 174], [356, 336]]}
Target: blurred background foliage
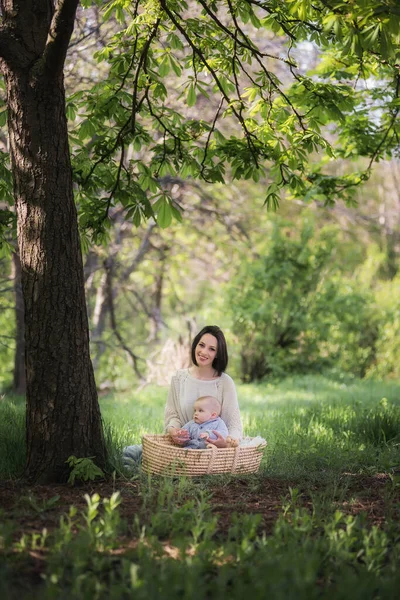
{"points": [[313, 287], [307, 289]]}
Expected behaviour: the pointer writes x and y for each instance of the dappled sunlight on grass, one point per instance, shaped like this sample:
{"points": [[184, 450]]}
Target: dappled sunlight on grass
{"points": [[154, 396], [315, 426], [273, 396]]}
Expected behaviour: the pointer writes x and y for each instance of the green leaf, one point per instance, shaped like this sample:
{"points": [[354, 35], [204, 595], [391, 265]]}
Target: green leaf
{"points": [[175, 66], [164, 213], [86, 130], [191, 96], [71, 111], [134, 214], [255, 20], [83, 469], [175, 42], [272, 201], [164, 67], [176, 213], [109, 11], [226, 85]]}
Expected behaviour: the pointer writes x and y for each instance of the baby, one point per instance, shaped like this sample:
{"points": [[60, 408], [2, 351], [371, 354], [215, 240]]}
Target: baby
{"points": [[205, 420]]}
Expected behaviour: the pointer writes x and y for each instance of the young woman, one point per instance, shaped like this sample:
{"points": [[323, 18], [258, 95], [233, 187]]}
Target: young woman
{"points": [[206, 377]]}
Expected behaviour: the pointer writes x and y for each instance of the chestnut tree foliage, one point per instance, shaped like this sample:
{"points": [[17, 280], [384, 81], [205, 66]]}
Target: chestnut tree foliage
{"points": [[195, 89], [202, 89], [265, 116]]}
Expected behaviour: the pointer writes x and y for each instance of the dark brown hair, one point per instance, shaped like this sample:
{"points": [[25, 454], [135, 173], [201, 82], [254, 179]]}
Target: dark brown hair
{"points": [[220, 362]]}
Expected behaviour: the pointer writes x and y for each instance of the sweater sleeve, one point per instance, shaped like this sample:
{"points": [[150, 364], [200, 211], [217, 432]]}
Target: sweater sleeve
{"points": [[230, 412], [171, 415]]}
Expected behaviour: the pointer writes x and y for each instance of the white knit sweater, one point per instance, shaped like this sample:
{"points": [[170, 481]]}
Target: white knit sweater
{"points": [[184, 391]]}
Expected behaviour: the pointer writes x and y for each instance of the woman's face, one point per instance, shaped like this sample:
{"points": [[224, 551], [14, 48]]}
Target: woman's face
{"points": [[206, 350]]}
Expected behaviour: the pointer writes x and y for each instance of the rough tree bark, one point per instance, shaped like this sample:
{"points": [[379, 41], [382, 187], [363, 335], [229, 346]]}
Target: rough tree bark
{"points": [[63, 416], [19, 376]]}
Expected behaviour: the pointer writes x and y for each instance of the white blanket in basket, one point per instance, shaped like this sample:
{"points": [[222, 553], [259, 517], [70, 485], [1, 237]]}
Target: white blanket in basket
{"points": [[252, 441]]}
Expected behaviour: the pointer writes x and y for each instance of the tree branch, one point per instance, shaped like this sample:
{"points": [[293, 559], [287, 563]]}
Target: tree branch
{"points": [[392, 123], [265, 71], [108, 265], [244, 43], [60, 32], [144, 247], [196, 51]]}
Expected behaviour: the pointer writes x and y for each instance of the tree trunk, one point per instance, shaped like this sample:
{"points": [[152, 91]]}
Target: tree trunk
{"points": [[156, 323], [99, 320], [63, 416], [19, 377]]}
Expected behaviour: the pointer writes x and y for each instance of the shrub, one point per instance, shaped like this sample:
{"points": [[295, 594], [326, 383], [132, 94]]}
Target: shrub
{"points": [[294, 311], [272, 297]]}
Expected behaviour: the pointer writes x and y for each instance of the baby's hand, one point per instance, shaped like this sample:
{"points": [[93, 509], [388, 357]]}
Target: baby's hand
{"points": [[203, 436], [231, 442], [179, 436]]}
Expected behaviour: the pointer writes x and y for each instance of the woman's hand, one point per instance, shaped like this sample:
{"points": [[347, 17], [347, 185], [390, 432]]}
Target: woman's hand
{"points": [[178, 436], [220, 442]]}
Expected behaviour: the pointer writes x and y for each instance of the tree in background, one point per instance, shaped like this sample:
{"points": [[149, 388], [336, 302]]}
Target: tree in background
{"points": [[273, 296], [133, 128], [294, 308]]}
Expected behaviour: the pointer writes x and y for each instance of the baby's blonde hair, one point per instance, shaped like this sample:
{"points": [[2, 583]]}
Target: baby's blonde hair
{"points": [[212, 403]]}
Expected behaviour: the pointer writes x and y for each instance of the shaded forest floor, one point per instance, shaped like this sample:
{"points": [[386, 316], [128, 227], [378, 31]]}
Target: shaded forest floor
{"points": [[31, 509], [27, 511]]}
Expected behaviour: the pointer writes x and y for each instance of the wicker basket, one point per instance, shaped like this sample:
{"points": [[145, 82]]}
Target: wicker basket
{"points": [[162, 457]]}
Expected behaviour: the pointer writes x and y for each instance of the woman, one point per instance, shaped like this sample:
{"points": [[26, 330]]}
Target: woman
{"points": [[206, 377]]}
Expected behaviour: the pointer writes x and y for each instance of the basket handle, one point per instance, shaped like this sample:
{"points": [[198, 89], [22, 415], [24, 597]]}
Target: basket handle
{"points": [[213, 456], [235, 459]]}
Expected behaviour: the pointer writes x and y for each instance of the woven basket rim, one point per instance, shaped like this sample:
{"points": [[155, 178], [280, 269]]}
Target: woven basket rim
{"points": [[161, 456], [159, 438]]}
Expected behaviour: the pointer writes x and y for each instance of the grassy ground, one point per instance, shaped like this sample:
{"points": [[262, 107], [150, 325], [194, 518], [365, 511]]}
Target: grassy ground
{"points": [[320, 520]]}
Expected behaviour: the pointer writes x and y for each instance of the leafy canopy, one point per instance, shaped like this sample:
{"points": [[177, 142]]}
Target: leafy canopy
{"points": [[201, 88]]}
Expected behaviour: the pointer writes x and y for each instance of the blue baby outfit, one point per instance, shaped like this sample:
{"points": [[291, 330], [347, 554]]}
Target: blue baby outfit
{"points": [[195, 429]]}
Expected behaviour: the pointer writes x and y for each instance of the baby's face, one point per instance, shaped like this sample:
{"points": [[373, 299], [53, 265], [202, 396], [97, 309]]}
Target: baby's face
{"points": [[202, 412]]}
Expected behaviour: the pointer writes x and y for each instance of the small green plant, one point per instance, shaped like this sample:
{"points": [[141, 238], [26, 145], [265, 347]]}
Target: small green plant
{"points": [[32, 542], [42, 505], [102, 526], [83, 469], [292, 502]]}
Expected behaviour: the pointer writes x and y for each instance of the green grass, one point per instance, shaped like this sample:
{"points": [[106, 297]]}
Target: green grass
{"points": [[318, 429], [12, 436]]}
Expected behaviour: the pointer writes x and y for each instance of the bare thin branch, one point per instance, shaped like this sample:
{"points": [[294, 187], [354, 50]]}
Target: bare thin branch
{"points": [[132, 356], [389, 128], [212, 128], [141, 253]]}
